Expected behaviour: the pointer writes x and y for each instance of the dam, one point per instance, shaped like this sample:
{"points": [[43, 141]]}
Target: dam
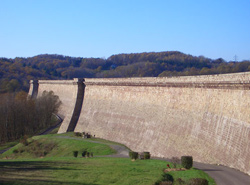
{"points": [[207, 117]]}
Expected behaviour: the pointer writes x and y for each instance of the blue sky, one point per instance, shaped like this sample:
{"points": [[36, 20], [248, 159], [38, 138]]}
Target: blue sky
{"points": [[101, 28]]}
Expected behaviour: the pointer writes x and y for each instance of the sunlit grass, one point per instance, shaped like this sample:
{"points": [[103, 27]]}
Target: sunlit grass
{"points": [[64, 147], [81, 171]]}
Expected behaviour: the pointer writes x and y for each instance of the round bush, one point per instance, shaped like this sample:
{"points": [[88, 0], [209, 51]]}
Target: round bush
{"points": [[75, 153], [167, 177], [88, 154], [146, 155], [187, 161], [134, 155], [84, 153]]}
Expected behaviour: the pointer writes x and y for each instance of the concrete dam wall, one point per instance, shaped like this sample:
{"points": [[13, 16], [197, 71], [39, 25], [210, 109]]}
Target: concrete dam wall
{"points": [[207, 117]]}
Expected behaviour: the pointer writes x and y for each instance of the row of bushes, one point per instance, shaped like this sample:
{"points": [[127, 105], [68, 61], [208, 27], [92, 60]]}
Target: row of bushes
{"points": [[135, 155], [83, 134], [186, 161], [84, 154]]}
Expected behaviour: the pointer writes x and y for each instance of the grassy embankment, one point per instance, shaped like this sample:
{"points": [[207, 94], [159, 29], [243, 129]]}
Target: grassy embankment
{"points": [[33, 164], [8, 145]]}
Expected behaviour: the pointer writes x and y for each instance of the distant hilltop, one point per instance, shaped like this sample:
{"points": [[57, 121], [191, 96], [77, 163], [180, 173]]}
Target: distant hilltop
{"points": [[16, 73]]}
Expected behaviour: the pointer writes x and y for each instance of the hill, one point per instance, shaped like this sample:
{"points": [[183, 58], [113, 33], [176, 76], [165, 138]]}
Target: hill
{"points": [[16, 73]]}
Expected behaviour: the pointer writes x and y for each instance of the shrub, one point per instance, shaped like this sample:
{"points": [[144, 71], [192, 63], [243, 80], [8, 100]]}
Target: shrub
{"points": [[78, 134], [87, 154], [75, 153], [133, 155], [198, 181], [187, 161], [84, 153], [167, 177], [146, 155]]}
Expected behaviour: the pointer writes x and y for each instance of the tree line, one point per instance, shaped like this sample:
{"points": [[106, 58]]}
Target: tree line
{"points": [[16, 73], [21, 116]]}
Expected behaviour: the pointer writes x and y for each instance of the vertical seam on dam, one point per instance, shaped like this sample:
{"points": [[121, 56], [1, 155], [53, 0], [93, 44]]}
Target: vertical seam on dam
{"points": [[34, 84], [78, 105]]}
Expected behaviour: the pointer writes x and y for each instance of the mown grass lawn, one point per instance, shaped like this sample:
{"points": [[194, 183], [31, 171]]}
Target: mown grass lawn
{"points": [[69, 170], [80, 171]]}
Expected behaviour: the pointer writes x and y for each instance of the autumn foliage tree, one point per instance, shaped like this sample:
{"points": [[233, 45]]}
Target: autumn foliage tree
{"points": [[21, 116], [16, 73]]}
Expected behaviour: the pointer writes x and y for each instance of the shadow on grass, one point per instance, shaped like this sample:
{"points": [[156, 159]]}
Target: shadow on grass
{"points": [[34, 165], [8, 181], [34, 172]]}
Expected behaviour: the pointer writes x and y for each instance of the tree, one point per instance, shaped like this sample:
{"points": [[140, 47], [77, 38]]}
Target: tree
{"points": [[20, 116]]}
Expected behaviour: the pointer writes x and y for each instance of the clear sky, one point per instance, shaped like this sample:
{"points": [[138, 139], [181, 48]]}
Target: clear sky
{"points": [[101, 28]]}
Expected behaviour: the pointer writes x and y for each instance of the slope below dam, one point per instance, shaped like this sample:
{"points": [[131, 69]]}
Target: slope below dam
{"points": [[207, 117]]}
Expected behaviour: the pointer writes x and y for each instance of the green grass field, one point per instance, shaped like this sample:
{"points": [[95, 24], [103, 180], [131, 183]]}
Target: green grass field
{"points": [[61, 148], [59, 166]]}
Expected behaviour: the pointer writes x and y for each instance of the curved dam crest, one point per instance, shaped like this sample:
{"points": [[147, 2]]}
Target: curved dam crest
{"points": [[207, 117]]}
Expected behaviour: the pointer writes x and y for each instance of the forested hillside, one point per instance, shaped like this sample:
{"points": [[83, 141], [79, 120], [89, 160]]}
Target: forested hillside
{"points": [[16, 73]]}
